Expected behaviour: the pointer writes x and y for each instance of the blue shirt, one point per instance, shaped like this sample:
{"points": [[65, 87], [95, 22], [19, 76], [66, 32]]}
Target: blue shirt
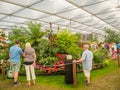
{"points": [[117, 45], [87, 58], [15, 53]]}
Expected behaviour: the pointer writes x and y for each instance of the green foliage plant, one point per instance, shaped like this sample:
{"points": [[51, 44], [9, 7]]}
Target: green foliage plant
{"points": [[112, 36], [68, 43], [99, 55]]}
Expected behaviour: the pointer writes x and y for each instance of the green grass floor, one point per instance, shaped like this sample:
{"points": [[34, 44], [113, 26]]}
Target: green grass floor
{"points": [[56, 82]]}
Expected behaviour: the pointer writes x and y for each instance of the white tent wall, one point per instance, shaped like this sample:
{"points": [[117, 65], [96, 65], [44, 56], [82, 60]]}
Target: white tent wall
{"points": [[80, 15]]}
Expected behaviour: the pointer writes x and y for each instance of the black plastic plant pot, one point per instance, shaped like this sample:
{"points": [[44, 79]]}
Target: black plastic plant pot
{"points": [[68, 72]]}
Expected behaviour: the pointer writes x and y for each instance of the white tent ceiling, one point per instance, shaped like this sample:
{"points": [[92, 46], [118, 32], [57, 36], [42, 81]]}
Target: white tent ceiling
{"points": [[79, 15]]}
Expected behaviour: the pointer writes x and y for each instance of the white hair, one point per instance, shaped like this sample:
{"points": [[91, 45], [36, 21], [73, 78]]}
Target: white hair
{"points": [[28, 45]]}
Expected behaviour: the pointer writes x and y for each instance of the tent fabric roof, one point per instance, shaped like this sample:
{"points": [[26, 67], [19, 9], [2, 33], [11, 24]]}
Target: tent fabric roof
{"points": [[82, 16]]}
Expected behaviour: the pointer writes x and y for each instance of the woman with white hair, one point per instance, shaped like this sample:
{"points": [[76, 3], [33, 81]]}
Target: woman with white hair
{"points": [[29, 61]]}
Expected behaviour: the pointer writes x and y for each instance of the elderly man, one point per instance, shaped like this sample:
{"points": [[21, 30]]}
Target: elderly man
{"points": [[86, 60]]}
